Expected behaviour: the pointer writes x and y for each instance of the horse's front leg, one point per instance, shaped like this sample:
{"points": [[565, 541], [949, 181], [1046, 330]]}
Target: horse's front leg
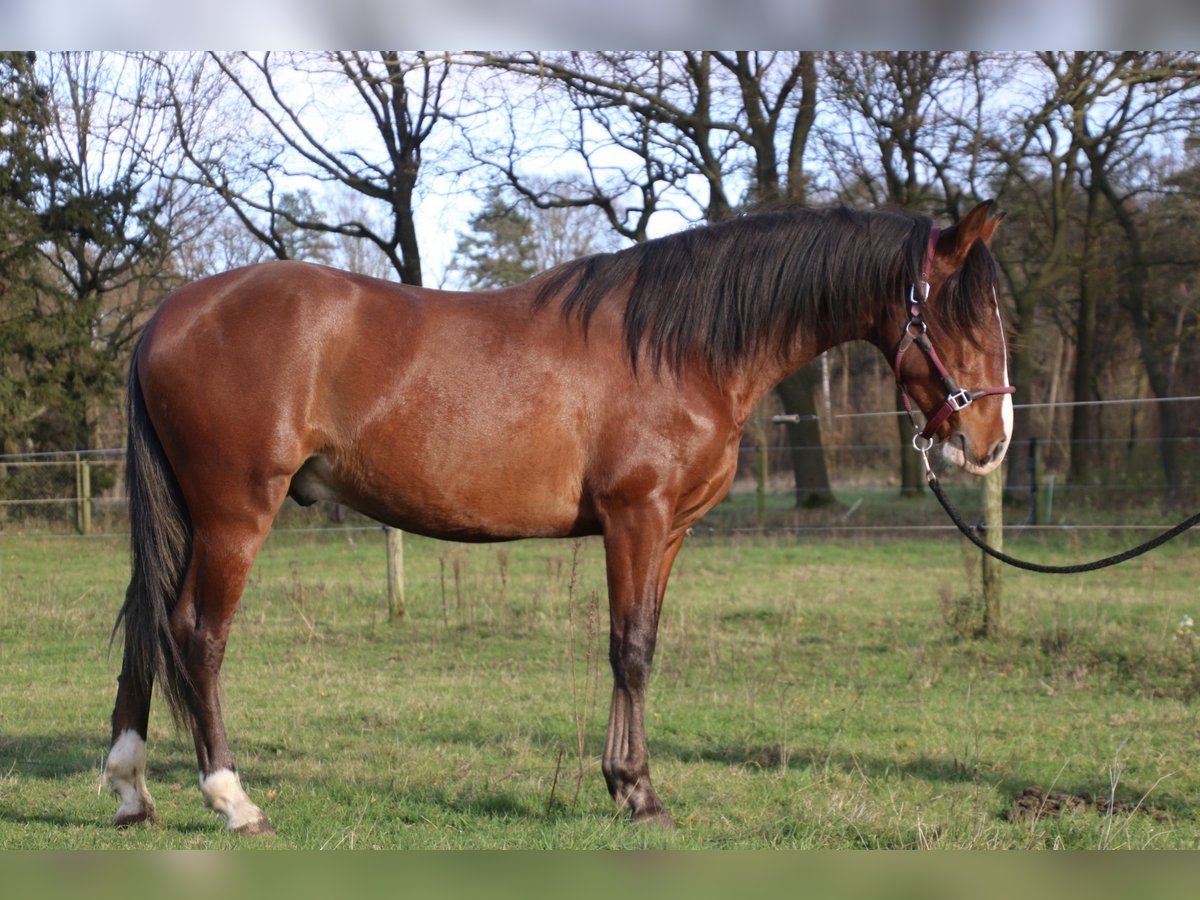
{"points": [[639, 551]]}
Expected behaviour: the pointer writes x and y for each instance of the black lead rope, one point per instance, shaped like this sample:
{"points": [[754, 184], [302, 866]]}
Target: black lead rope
{"points": [[974, 538]]}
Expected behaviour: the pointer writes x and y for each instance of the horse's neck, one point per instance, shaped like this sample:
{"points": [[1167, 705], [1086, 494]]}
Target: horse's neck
{"points": [[748, 388], [760, 376]]}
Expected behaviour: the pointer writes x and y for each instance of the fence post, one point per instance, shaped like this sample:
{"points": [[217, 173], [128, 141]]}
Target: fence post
{"points": [[1034, 487], [83, 495], [993, 520], [395, 573], [87, 497], [78, 495]]}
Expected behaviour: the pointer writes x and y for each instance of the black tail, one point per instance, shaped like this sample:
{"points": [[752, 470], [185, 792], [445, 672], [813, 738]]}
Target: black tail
{"points": [[161, 545]]}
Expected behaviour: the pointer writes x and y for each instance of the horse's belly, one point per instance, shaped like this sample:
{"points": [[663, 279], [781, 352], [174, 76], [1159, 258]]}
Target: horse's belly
{"points": [[477, 505]]}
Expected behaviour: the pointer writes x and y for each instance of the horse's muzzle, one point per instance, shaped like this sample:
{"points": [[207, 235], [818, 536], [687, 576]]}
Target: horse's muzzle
{"points": [[954, 452]]}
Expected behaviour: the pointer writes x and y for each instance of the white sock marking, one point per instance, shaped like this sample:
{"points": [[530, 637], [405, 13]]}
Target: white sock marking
{"points": [[223, 793], [125, 775]]}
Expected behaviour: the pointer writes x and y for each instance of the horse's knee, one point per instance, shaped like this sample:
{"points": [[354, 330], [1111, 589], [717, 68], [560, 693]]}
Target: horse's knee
{"points": [[631, 657]]}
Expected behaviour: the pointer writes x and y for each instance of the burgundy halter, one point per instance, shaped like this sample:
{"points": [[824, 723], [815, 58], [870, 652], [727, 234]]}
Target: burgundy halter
{"points": [[915, 332]]}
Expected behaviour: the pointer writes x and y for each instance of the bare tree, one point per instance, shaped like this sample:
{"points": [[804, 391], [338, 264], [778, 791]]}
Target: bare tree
{"points": [[560, 235], [1033, 171], [359, 122], [124, 213], [1070, 162], [638, 126], [1146, 97]]}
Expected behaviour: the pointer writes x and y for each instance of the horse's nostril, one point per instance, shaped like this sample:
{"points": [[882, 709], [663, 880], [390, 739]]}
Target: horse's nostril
{"points": [[997, 451]]}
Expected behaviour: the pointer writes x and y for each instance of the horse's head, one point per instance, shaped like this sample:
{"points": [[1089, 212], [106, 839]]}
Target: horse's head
{"points": [[952, 357]]}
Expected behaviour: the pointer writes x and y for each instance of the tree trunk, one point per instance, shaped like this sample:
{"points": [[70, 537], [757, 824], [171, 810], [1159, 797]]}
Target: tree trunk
{"points": [[1158, 372], [804, 437], [1083, 418], [1135, 300]]}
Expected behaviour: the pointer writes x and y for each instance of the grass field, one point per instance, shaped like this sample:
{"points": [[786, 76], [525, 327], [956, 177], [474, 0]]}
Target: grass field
{"points": [[807, 693]]}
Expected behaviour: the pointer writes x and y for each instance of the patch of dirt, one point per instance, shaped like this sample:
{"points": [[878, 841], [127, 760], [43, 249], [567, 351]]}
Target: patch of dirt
{"points": [[1035, 802]]}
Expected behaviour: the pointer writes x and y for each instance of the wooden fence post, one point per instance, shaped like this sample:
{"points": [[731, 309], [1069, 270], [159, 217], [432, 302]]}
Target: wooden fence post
{"points": [[83, 495], [1033, 481], [993, 519], [87, 497], [78, 495], [395, 573]]}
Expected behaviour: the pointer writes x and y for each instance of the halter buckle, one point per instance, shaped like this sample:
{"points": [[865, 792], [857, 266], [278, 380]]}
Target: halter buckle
{"points": [[959, 400]]}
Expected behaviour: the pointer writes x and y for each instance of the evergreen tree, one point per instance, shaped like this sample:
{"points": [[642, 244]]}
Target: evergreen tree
{"points": [[81, 234], [499, 250], [24, 174], [296, 242]]}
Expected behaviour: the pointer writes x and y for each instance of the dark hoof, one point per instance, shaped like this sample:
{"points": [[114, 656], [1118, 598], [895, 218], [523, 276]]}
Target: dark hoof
{"points": [[261, 825], [128, 819], [654, 818]]}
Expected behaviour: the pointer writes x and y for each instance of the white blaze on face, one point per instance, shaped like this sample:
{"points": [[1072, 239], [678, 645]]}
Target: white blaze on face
{"points": [[1006, 411]]}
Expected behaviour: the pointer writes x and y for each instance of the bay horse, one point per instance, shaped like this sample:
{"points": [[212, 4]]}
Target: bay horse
{"points": [[607, 396]]}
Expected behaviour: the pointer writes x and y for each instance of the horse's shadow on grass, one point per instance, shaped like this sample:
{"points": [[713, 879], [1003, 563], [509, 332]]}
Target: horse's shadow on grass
{"points": [[53, 759], [65, 755], [50, 756], [944, 770], [822, 760], [56, 757]]}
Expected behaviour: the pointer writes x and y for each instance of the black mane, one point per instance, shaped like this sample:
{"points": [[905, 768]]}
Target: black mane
{"points": [[724, 292]]}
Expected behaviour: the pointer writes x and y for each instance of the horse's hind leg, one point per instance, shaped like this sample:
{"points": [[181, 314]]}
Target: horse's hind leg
{"points": [[221, 564], [125, 771]]}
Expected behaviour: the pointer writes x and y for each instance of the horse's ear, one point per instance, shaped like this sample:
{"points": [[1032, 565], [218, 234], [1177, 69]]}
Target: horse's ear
{"points": [[978, 225]]}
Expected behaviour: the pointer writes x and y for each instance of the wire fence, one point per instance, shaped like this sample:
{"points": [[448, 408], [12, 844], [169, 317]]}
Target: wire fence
{"points": [[83, 491]]}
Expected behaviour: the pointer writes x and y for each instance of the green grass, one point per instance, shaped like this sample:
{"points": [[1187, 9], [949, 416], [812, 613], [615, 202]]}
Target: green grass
{"points": [[807, 693]]}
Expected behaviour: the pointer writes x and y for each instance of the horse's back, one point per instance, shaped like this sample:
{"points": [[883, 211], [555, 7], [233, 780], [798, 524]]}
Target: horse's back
{"points": [[457, 415]]}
